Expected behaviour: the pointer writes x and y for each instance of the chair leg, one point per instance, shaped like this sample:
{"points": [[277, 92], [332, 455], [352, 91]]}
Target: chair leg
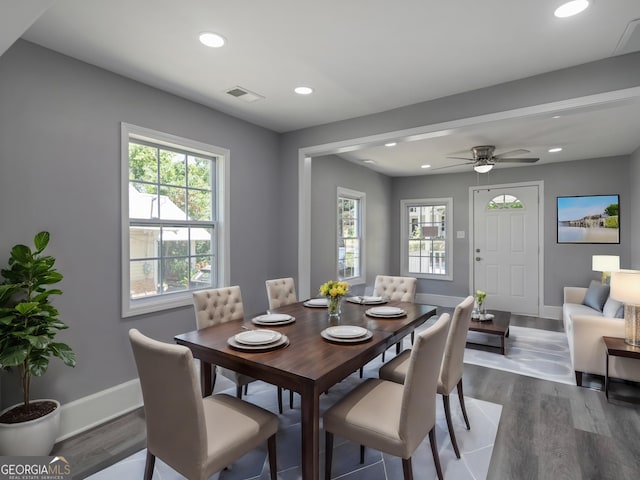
{"points": [[447, 414], [464, 409], [246, 389], [239, 391], [434, 452], [578, 378], [383, 357], [273, 467], [361, 371], [413, 336], [407, 469], [361, 454], [328, 454], [398, 347], [291, 399], [280, 400], [148, 468]]}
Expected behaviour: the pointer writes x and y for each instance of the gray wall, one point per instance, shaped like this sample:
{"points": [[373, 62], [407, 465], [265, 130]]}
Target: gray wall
{"points": [[588, 79], [634, 210], [60, 156], [329, 173], [566, 264]]}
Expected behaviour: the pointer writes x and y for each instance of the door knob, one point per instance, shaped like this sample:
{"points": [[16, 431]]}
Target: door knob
{"points": [[478, 259]]}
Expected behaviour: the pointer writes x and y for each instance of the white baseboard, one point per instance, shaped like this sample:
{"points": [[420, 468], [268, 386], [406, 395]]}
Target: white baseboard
{"points": [[99, 407], [449, 301]]}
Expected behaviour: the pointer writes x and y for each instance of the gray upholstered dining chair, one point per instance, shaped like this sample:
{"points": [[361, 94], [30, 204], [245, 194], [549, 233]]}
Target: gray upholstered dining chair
{"points": [[391, 417], [451, 369], [193, 435], [281, 291], [396, 289], [219, 305]]}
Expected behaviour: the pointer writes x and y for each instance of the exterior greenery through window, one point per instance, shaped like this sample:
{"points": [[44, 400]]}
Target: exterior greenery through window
{"points": [[350, 234], [426, 246], [504, 202], [172, 223]]}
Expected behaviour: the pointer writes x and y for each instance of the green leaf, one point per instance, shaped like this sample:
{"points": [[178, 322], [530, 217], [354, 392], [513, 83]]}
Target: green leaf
{"points": [[13, 356], [41, 241], [41, 341], [38, 365], [51, 277], [21, 254], [64, 353], [28, 308]]}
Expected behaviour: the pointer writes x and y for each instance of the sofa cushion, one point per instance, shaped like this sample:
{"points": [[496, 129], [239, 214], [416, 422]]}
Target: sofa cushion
{"points": [[571, 309], [596, 295], [613, 309]]}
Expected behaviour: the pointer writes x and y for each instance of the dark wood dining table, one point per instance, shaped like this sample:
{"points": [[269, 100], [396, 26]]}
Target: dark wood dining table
{"points": [[309, 364]]}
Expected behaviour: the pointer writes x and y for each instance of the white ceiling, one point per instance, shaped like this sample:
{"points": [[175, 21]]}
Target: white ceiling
{"points": [[360, 56]]}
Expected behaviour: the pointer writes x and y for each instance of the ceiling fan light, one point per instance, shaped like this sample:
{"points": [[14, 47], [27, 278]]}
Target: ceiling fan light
{"points": [[572, 8], [483, 167]]}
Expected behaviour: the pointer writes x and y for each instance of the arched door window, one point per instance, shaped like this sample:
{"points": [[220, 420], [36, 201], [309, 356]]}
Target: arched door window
{"points": [[504, 202]]}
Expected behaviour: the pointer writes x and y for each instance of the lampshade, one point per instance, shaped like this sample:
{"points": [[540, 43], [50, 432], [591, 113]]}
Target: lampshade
{"points": [[625, 287], [605, 263], [483, 167]]}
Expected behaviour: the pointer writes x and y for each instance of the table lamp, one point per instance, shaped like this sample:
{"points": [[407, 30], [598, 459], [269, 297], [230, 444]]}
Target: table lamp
{"points": [[625, 287], [605, 264]]}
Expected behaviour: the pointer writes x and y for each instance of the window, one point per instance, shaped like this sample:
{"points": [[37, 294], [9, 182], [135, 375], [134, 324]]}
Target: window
{"points": [[503, 202], [426, 238], [172, 210], [350, 235]]}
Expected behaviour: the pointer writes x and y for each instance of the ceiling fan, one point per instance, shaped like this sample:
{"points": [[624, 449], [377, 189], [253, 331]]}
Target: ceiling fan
{"points": [[483, 158]]}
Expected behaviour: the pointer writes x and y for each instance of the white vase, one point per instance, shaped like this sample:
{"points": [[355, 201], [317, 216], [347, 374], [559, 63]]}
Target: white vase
{"points": [[33, 438]]}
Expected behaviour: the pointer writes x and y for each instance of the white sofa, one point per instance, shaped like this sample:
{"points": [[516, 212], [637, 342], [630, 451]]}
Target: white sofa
{"points": [[585, 328]]}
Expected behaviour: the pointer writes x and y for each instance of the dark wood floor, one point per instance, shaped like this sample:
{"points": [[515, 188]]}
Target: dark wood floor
{"points": [[547, 430]]}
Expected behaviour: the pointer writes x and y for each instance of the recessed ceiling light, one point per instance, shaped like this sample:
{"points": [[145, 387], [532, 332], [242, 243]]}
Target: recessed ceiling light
{"points": [[391, 144], [556, 116], [303, 90], [572, 8], [368, 161], [212, 40], [426, 165], [555, 150]]}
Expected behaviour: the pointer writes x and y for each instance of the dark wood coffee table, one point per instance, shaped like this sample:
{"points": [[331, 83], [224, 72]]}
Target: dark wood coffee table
{"points": [[499, 325], [617, 347]]}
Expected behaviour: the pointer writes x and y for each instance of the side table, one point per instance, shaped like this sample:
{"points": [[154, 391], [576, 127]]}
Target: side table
{"points": [[617, 347]]}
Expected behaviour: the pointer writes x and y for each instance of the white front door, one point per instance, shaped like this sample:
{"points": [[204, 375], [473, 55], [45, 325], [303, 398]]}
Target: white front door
{"points": [[506, 247]]}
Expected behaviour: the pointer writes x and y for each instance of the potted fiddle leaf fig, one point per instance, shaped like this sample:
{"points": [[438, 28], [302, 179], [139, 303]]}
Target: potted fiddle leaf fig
{"points": [[29, 324]]}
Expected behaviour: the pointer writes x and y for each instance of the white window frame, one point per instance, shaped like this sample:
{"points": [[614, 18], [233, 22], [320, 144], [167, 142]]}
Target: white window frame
{"points": [[404, 237], [361, 198], [141, 306]]}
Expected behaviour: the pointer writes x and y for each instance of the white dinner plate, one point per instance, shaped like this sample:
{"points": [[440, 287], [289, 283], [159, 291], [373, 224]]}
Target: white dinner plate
{"points": [[386, 312], [346, 331], [283, 342], [364, 338], [273, 318], [258, 337], [316, 302], [366, 300]]}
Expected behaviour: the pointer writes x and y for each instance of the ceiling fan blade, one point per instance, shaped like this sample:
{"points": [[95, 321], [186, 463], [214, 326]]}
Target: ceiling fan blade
{"points": [[516, 160], [462, 158], [451, 166], [520, 151]]}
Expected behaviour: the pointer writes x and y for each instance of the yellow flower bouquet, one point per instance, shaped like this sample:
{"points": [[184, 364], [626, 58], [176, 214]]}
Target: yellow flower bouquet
{"points": [[334, 291]]}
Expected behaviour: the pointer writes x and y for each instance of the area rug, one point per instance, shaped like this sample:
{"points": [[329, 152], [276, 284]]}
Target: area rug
{"points": [[476, 445], [528, 351]]}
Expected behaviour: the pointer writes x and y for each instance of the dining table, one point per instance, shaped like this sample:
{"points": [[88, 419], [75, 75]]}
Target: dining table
{"points": [[308, 363]]}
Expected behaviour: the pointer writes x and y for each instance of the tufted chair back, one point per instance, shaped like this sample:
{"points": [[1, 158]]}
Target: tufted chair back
{"points": [[396, 289], [281, 291], [453, 359], [217, 305]]}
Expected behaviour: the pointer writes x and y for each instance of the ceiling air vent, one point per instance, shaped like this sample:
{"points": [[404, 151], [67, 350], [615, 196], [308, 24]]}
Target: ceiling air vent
{"points": [[244, 94], [630, 40]]}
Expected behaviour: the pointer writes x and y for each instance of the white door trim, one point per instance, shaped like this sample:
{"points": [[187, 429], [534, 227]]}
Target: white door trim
{"points": [[540, 185]]}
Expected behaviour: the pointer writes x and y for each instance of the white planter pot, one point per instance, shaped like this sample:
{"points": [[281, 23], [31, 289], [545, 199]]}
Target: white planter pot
{"points": [[32, 438]]}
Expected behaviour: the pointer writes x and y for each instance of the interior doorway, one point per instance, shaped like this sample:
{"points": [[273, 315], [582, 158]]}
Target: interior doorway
{"points": [[506, 245]]}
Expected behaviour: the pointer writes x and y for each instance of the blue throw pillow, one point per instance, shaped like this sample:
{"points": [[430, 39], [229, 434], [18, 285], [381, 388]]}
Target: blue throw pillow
{"points": [[613, 309], [596, 295]]}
